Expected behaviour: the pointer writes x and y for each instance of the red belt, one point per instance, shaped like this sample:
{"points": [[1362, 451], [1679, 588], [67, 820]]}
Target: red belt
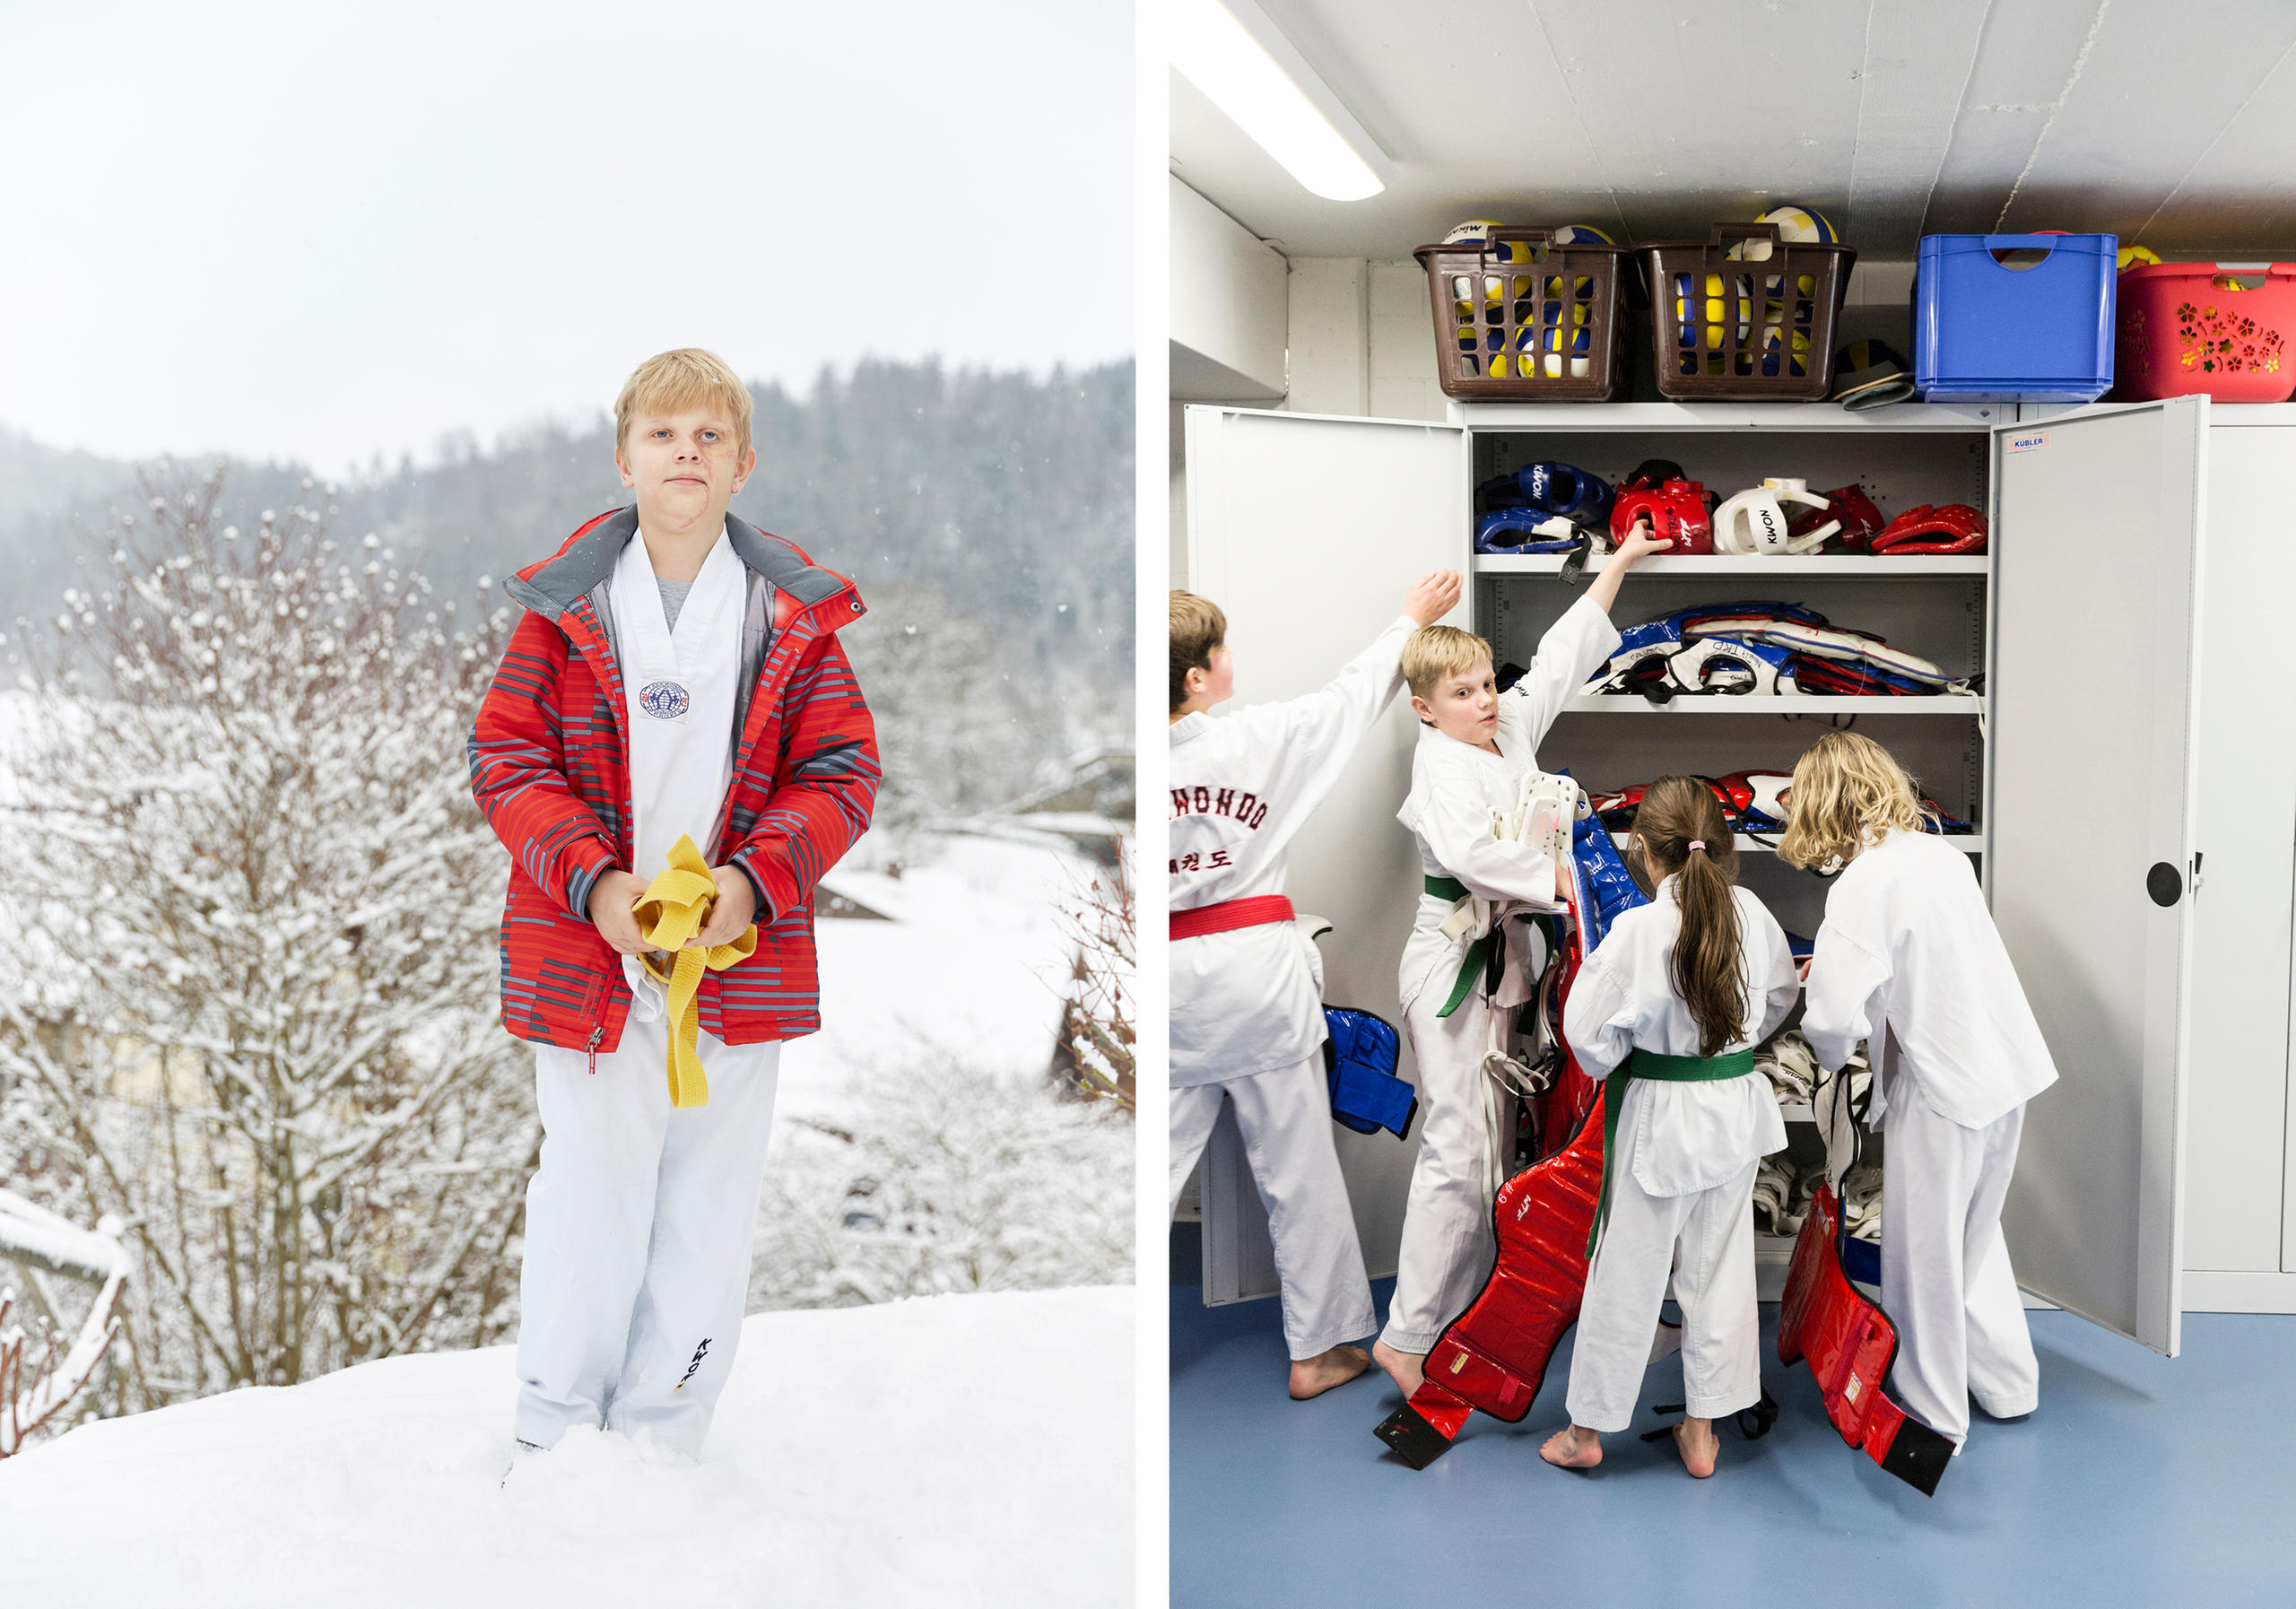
{"points": [[1260, 910]]}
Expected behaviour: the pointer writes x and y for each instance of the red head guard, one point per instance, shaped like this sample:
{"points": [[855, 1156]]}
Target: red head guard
{"points": [[1677, 511], [1861, 521]]}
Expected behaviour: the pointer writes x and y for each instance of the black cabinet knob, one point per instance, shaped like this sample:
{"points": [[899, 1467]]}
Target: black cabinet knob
{"points": [[2164, 883]]}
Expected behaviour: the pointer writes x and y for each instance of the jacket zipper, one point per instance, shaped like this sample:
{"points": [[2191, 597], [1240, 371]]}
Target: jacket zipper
{"points": [[597, 1034]]}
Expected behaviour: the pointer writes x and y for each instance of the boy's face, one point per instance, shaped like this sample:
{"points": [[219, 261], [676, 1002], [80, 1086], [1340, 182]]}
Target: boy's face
{"points": [[684, 470], [1464, 705]]}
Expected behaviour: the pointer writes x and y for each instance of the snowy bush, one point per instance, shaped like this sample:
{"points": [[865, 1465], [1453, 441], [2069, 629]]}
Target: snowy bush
{"points": [[1094, 1054], [256, 1021], [944, 1177]]}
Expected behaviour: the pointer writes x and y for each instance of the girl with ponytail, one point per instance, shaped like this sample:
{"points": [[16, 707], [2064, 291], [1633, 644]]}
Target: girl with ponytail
{"points": [[1668, 1009]]}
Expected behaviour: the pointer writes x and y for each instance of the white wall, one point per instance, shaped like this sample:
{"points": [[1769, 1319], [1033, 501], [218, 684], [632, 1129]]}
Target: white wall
{"points": [[1228, 306], [1361, 340]]}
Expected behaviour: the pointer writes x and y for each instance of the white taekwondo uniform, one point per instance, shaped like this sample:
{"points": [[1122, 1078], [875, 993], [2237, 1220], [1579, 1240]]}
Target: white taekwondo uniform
{"points": [[1909, 947], [640, 1219], [1448, 1245], [1682, 1180], [1246, 1006]]}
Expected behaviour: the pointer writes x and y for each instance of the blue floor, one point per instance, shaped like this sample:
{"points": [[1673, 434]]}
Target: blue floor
{"points": [[2141, 1481]]}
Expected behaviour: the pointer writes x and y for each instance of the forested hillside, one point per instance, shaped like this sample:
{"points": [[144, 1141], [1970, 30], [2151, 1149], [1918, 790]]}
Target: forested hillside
{"points": [[991, 512]]}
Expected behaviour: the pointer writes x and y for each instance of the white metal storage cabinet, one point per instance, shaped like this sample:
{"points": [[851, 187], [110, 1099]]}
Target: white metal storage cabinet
{"points": [[2239, 1213], [1306, 530], [2239, 1252]]}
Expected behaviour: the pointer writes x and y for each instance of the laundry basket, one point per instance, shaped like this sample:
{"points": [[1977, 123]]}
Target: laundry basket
{"points": [[2218, 329], [1519, 318], [1744, 315]]}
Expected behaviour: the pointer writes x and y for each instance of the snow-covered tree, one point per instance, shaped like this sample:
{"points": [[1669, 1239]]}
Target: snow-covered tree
{"points": [[944, 1177], [255, 1018], [953, 731]]}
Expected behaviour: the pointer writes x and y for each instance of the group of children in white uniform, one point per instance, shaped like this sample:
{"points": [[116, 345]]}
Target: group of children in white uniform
{"points": [[1680, 991]]}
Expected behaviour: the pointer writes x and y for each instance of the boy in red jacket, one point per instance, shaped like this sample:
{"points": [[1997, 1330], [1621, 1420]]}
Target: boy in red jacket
{"points": [[676, 675]]}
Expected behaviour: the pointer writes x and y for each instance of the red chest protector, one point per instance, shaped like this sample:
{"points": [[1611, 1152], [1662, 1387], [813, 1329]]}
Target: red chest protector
{"points": [[1851, 1344]]}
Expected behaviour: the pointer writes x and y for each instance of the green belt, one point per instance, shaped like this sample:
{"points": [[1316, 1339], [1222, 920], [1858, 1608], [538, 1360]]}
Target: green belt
{"points": [[1665, 1069], [1478, 954]]}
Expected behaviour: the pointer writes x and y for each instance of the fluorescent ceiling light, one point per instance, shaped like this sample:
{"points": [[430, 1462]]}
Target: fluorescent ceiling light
{"points": [[1213, 51]]}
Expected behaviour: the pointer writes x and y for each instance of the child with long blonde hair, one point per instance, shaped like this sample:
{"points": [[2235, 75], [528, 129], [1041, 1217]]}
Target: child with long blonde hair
{"points": [[1908, 959], [1670, 1006]]}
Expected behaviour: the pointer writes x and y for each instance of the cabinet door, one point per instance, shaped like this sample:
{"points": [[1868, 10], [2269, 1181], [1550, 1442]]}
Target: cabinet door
{"points": [[2092, 807], [2237, 1100], [1307, 530]]}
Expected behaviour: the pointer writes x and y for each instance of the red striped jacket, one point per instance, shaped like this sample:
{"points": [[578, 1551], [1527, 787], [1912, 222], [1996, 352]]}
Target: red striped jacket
{"points": [[548, 767]]}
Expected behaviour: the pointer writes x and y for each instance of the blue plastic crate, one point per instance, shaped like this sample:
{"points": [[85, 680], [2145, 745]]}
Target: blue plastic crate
{"points": [[1985, 331]]}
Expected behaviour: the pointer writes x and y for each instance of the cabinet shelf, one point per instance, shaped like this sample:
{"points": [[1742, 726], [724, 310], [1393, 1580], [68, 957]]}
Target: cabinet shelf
{"points": [[1661, 417], [1705, 564], [1967, 843], [1760, 703]]}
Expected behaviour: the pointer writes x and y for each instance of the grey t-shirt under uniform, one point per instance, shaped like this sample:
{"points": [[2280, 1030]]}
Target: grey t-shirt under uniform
{"points": [[673, 598]]}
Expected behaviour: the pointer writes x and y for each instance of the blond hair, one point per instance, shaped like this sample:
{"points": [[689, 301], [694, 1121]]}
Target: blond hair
{"points": [[672, 382], [1847, 792], [1198, 627], [1434, 652]]}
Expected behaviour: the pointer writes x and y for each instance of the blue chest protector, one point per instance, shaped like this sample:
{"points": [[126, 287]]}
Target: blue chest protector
{"points": [[1359, 1061], [1609, 888]]}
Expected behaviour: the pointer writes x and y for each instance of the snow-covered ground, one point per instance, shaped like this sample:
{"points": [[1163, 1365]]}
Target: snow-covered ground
{"points": [[948, 1451]]}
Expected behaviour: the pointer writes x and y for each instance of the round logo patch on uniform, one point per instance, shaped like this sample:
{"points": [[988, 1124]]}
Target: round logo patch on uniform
{"points": [[664, 700]]}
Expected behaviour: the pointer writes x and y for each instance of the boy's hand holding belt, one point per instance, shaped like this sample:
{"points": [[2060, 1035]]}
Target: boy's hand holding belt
{"points": [[696, 918], [615, 897]]}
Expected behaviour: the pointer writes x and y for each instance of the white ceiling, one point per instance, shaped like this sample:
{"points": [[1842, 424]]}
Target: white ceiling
{"points": [[2169, 122]]}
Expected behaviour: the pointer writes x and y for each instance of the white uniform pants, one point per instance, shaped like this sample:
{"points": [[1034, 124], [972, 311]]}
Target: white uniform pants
{"points": [[639, 1223], [1946, 1282], [1285, 1116], [1447, 1243], [1706, 1239]]}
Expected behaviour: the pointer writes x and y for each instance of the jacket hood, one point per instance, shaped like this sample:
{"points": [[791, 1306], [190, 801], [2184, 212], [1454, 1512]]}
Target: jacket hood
{"points": [[585, 560]]}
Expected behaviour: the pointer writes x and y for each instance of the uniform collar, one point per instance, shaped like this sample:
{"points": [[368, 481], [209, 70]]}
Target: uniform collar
{"points": [[1190, 726], [1430, 733], [587, 558]]}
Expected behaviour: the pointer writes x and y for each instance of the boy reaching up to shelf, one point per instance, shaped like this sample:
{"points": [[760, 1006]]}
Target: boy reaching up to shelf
{"points": [[1475, 746], [1246, 1002], [1669, 1007], [1908, 959]]}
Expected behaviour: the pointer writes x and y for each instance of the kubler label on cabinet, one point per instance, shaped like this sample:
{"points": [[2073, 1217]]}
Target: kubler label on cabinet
{"points": [[2031, 443]]}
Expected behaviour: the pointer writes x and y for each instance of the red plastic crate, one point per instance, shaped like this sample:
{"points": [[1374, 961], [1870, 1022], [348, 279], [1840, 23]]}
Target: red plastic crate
{"points": [[2225, 330]]}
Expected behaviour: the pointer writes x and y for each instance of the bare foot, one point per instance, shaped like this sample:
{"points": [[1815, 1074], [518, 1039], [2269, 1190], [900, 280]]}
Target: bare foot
{"points": [[1695, 1440], [1406, 1369], [1576, 1447], [1312, 1377]]}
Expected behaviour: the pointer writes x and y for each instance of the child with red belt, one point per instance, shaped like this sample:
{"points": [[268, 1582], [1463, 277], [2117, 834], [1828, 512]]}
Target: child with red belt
{"points": [[1246, 1002]]}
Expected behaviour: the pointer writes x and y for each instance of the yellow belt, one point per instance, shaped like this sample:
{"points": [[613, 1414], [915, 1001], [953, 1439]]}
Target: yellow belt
{"points": [[675, 906]]}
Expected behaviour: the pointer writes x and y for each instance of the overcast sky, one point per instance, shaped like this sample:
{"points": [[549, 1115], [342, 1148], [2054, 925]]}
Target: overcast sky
{"points": [[322, 230]]}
